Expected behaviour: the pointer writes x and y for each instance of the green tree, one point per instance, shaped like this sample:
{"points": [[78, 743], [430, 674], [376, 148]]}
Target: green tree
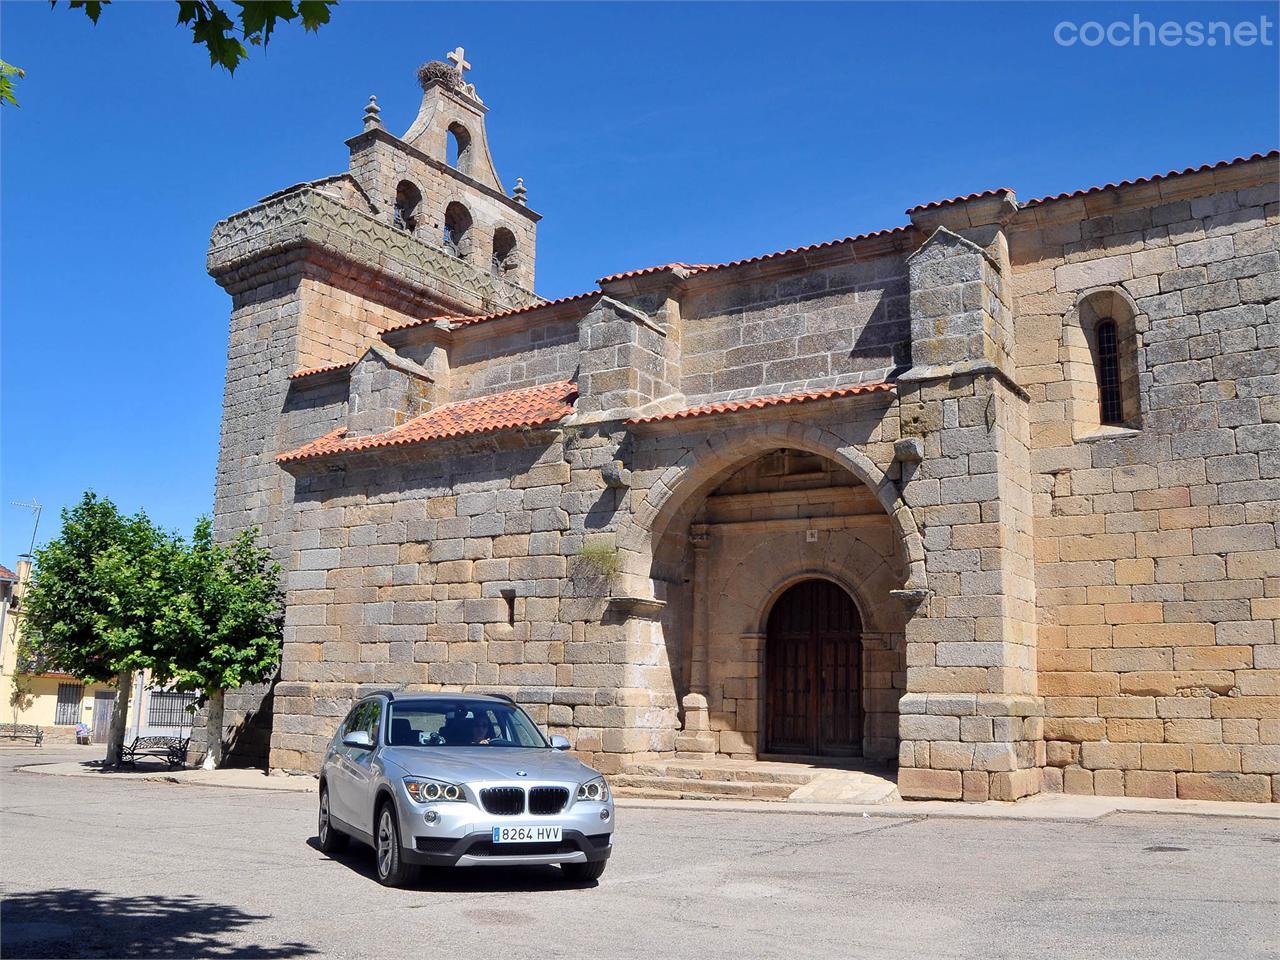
{"points": [[96, 598], [113, 595], [211, 26], [222, 628]]}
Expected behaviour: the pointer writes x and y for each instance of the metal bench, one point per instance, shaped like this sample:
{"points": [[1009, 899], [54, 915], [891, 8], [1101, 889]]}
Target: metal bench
{"points": [[170, 749], [22, 731]]}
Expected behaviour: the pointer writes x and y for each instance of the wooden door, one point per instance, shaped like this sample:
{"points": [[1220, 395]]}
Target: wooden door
{"points": [[813, 660], [104, 702]]}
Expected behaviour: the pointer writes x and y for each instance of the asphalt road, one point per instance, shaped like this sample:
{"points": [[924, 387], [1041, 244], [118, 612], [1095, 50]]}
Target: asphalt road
{"points": [[103, 868]]}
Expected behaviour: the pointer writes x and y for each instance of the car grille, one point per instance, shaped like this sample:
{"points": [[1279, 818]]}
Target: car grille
{"points": [[545, 801], [435, 844], [487, 848], [503, 801]]}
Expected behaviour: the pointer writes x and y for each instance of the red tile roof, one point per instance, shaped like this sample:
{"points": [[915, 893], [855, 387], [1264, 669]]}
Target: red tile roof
{"points": [[1091, 190], [644, 271], [696, 269], [758, 403], [467, 321], [312, 371], [7, 574], [530, 407], [1155, 177], [808, 249], [934, 204]]}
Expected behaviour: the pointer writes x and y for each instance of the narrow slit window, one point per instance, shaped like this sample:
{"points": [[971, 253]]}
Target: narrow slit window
{"points": [[1110, 403], [510, 597]]}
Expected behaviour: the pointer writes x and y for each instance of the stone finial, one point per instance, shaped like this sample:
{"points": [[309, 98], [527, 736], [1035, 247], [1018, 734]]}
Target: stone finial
{"points": [[372, 114], [520, 194]]}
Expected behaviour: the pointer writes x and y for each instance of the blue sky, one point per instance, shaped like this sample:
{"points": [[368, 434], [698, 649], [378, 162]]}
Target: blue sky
{"points": [[645, 133]]}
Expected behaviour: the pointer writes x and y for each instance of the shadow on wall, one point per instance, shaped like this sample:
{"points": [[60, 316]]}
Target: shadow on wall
{"points": [[90, 923], [248, 713]]}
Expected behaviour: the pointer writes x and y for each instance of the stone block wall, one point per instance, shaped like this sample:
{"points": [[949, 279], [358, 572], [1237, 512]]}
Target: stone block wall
{"points": [[452, 571], [509, 354], [1156, 548], [801, 331]]}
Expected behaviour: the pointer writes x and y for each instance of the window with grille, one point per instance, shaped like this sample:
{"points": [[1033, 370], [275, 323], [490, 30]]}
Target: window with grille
{"points": [[1109, 399], [168, 708], [70, 695]]}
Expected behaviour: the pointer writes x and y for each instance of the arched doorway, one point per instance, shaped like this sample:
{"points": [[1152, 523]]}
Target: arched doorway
{"points": [[813, 666]]}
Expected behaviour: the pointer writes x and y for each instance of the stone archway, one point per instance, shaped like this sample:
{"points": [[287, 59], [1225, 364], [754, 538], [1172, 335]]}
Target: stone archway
{"points": [[782, 516], [672, 497]]}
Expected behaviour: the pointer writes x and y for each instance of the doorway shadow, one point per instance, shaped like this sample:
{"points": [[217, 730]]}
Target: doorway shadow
{"points": [[93, 923]]}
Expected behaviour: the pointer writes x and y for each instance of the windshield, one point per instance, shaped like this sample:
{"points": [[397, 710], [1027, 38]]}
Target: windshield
{"points": [[460, 723]]}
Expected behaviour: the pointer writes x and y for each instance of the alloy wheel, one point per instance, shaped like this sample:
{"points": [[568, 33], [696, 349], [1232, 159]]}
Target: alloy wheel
{"points": [[386, 841]]}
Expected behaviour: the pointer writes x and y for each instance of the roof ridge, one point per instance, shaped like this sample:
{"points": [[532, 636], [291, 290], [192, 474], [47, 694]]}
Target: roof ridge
{"points": [[1152, 178], [1083, 191], [772, 400], [522, 407], [462, 320]]}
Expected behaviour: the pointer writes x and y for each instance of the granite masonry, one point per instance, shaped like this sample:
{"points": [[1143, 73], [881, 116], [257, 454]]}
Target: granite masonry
{"points": [[990, 496]]}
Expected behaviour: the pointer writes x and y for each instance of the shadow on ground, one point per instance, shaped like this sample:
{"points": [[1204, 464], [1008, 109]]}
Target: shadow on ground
{"points": [[358, 858], [90, 923]]}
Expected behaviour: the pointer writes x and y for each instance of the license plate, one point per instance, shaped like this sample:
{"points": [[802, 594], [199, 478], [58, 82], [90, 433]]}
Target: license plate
{"points": [[526, 834]]}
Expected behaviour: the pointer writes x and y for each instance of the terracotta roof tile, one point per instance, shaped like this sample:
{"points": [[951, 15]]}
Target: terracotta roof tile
{"points": [[530, 407], [644, 271], [467, 321], [697, 269], [934, 204], [826, 244], [758, 403], [312, 371], [7, 574], [1151, 179], [1091, 190]]}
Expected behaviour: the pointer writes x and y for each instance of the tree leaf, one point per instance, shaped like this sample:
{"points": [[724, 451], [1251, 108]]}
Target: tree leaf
{"points": [[315, 13], [7, 74]]}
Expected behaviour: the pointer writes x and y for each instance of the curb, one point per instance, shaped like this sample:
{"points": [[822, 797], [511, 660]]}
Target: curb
{"points": [[1068, 809], [175, 778]]}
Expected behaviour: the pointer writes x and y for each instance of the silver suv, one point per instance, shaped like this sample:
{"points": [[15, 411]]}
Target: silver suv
{"points": [[460, 780]]}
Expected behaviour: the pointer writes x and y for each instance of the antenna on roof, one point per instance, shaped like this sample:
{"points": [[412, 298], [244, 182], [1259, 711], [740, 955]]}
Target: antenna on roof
{"points": [[35, 507]]}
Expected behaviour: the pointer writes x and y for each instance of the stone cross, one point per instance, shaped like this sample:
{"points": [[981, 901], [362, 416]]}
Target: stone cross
{"points": [[458, 57]]}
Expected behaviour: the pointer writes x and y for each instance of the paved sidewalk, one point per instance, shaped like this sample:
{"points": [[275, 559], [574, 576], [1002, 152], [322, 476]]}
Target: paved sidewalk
{"points": [[1045, 806], [235, 777]]}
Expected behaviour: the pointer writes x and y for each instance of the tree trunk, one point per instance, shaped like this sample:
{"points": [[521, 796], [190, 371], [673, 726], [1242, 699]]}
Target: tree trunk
{"points": [[119, 719], [213, 731]]}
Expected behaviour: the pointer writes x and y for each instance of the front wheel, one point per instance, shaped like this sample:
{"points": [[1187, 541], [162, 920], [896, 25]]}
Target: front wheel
{"points": [[331, 839], [392, 870], [582, 872]]}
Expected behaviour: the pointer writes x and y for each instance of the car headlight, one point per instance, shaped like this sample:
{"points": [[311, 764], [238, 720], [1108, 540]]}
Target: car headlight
{"points": [[595, 789], [432, 791]]}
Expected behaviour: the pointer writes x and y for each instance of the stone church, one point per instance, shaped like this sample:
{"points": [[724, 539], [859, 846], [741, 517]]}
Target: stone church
{"points": [[990, 496]]}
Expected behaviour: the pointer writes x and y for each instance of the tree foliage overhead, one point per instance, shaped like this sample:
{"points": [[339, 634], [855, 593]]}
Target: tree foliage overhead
{"points": [[213, 27], [224, 34]]}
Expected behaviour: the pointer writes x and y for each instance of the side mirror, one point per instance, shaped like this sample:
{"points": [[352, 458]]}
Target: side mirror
{"points": [[359, 739], [560, 743]]}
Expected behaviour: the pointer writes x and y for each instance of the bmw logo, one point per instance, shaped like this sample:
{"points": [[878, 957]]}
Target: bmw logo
{"points": [[522, 773]]}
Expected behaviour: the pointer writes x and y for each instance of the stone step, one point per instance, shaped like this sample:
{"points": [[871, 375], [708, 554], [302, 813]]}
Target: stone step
{"points": [[722, 772], [632, 784]]}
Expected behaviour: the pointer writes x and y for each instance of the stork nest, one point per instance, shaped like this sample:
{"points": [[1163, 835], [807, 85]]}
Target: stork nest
{"points": [[439, 70]]}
